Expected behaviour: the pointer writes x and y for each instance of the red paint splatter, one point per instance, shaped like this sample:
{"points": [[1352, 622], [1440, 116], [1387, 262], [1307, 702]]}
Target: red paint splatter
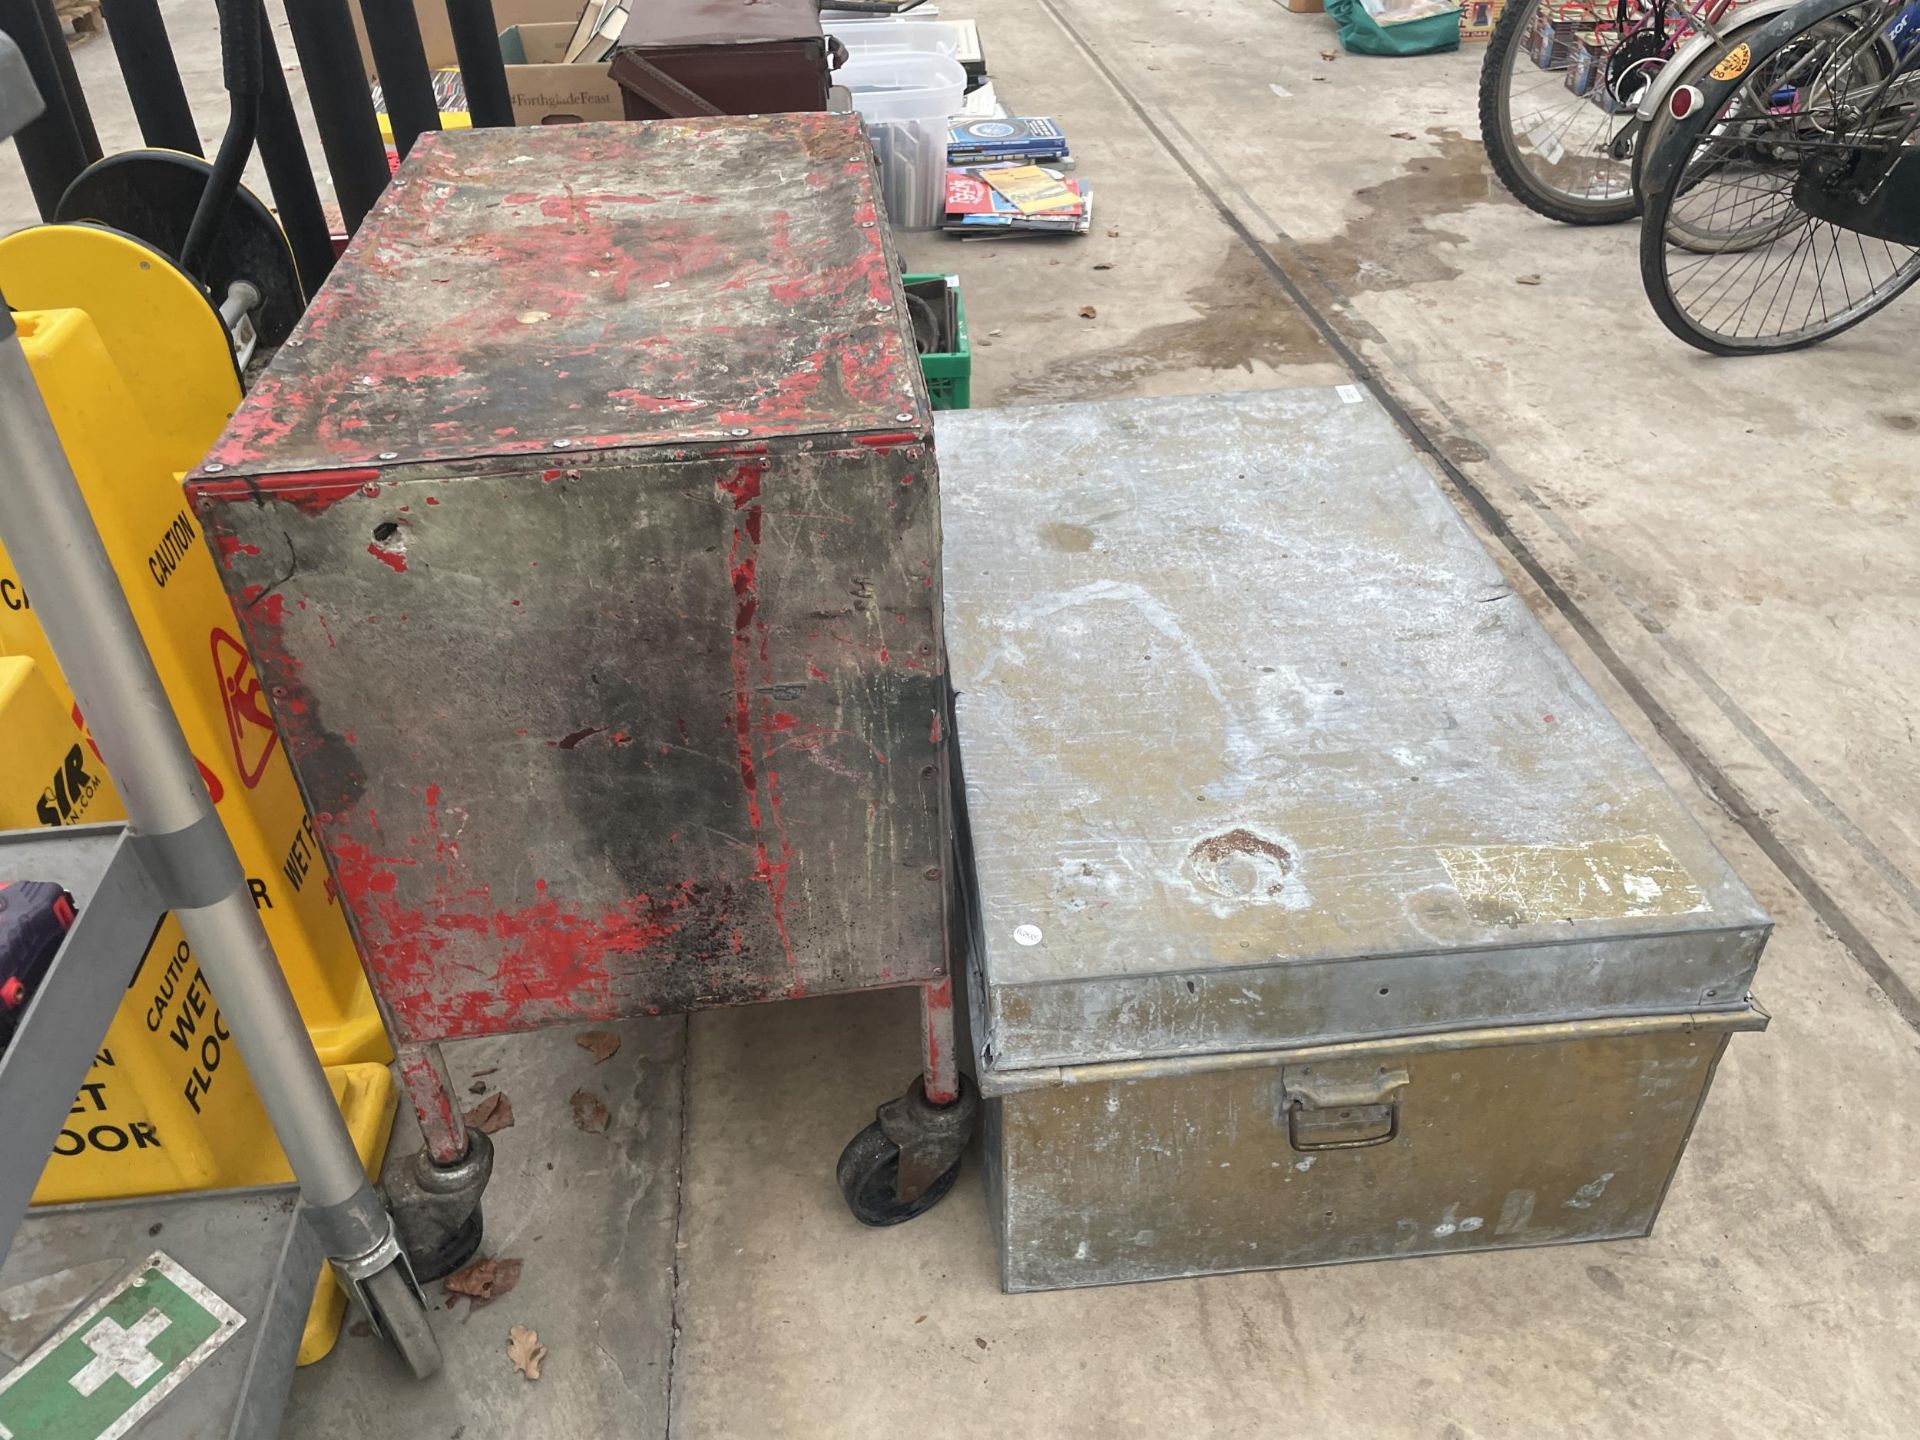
{"points": [[433, 499], [743, 486], [934, 734], [394, 560], [312, 492], [654, 404], [814, 672], [782, 721], [551, 961], [231, 545]]}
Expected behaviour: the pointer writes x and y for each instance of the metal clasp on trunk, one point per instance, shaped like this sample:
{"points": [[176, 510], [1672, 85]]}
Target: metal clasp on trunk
{"points": [[1330, 1110]]}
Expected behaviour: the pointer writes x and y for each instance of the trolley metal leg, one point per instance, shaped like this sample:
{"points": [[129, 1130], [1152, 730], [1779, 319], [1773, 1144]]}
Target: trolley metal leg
{"points": [[942, 1078], [50, 534]]}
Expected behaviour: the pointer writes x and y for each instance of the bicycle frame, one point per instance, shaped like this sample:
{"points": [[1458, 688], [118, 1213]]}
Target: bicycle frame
{"points": [[1749, 15], [1763, 41]]}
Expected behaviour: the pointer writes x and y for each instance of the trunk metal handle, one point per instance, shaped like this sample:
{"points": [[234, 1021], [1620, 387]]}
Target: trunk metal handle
{"points": [[1369, 1098]]}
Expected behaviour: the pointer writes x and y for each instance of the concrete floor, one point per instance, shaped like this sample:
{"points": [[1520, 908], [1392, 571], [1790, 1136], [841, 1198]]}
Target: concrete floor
{"points": [[1725, 549]]}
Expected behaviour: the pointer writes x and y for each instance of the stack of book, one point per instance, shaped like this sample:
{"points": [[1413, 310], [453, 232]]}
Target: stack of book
{"points": [[1010, 198], [1034, 139]]}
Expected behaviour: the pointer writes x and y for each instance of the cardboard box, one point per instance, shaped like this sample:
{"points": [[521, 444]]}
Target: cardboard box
{"points": [[547, 91], [437, 35]]}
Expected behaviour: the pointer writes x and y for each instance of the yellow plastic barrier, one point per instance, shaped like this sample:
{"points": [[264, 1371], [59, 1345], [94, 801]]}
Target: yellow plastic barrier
{"points": [[136, 398], [146, 325]]}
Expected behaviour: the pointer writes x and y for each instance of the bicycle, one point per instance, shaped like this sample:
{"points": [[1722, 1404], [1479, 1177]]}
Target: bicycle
{"points": [[1572, 93], [1791, 167]]}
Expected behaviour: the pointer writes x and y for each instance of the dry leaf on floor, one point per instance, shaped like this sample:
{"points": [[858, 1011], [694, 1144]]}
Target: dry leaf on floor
{"points": [[598, 1043], [484, 1280], [1087, 312], [478, 1087], [525, 1351], [1526, 279], [1104, 265], [1113, 234], [491, 1114], [1405, 135], [589, 1112], [482, 1074], [1329, 54]]}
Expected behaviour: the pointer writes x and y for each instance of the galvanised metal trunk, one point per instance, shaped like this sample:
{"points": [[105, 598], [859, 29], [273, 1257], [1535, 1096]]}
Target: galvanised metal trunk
{"points": [[1319, 910], [586, 540]]}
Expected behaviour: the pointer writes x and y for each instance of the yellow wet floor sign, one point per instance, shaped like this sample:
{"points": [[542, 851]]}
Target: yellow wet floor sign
{"points": [[119, 1358]]}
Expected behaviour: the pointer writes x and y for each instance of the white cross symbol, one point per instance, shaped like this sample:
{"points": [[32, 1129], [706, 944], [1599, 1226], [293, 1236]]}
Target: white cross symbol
{"points": [[120, 1352]]}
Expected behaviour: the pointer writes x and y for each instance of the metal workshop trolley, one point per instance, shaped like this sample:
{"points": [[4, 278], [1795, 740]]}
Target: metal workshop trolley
{"points": [[585, 536]]}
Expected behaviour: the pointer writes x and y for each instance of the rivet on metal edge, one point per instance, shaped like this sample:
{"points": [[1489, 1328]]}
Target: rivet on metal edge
{"points": [[904, 415], [562, 444], [389, 455], [739, 430], [867, 224], [883, 309], [213, 468]]}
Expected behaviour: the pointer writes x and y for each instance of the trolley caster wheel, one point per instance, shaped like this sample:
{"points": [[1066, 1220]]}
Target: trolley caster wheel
{"points": [[399, 1316], [904, 1163], [437, 1261], [436, 1208], [869, 1176]]}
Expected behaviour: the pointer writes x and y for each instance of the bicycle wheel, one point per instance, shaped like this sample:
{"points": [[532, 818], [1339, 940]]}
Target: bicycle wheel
{"points": [[1694, 69], [1556, 109], [1731, 261]]}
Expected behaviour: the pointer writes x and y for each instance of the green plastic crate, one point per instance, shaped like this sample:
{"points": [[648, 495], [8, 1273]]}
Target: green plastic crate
{"points": [[949, 374]]}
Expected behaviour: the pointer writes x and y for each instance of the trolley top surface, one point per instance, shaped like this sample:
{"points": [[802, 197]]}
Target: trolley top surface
{"points": [[1238, 688], [589, 287]]}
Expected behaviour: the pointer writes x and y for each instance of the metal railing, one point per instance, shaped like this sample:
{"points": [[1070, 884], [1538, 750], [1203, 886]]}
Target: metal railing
{"points": [[63, 142]]}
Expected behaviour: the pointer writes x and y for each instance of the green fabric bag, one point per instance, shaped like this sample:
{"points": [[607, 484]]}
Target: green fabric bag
{"points": [[1361, 33]]}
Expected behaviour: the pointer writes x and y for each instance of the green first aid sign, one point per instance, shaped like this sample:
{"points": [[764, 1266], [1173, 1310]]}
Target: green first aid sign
{"points": [[120, 1357]]}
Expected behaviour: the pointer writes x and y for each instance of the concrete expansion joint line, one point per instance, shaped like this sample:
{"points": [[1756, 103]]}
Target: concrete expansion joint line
{"points": [[1706, 772], [679, 1222]]}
